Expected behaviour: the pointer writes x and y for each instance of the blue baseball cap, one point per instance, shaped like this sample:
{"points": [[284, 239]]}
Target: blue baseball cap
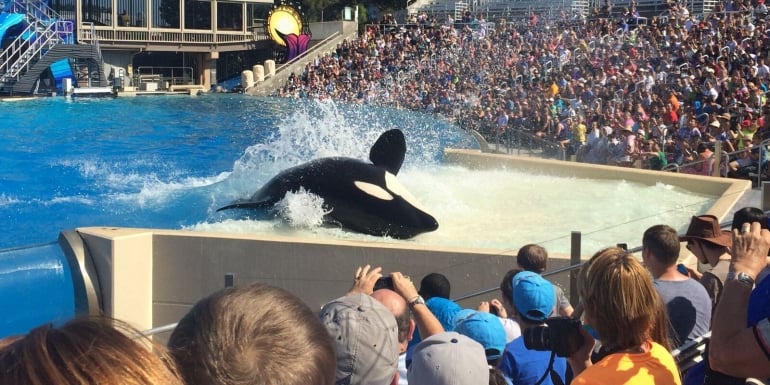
{"points": [[533, 296], [445, 310], [486, 329]]}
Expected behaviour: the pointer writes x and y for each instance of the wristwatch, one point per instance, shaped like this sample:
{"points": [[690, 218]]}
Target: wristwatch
{"points": [[416, 301], [741, 277]]}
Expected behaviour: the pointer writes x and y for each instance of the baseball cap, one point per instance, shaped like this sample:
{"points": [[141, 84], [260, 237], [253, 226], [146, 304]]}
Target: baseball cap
{"points": [[448, 358], [533, 296], [365, 336], [445, 311], [485, 329]]}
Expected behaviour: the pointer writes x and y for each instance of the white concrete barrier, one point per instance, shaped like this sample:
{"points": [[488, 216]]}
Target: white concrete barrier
{"points": [[247, 79], [259, 73], [270, 67]]}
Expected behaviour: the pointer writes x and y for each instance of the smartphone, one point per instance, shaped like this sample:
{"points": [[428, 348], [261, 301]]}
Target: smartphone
{"points": [[623, 246], [384, 283]]}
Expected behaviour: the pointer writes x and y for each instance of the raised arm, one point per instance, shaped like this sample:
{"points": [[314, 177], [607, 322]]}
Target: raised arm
{"points": [[735, 349]]}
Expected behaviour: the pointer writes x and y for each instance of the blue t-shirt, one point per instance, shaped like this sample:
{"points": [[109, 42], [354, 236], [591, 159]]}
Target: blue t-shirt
{"points": [[525, 367]]}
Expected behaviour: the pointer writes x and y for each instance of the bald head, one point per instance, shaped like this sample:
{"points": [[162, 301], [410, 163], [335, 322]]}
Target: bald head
{"points": [[397, 305]]}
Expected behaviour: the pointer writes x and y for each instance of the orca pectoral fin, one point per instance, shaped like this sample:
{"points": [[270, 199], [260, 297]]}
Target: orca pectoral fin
{"points": [[247, 204], [389, 151]]}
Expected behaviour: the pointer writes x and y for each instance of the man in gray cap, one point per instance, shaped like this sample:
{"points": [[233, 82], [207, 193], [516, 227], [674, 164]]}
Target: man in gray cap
{"points": [[449, 358], [365, 336], [365, 331]]}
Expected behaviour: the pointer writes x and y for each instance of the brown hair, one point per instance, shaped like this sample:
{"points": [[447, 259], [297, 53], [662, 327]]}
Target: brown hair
{"points": [[255, 334], [532, 258], [86, 351], [506, 284], [663, 242], [621, 301]]}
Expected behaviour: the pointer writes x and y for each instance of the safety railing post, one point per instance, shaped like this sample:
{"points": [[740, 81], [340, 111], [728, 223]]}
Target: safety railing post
{"points": [[574, 259]]}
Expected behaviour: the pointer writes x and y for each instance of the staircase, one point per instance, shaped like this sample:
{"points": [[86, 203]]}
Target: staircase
{"points": [[46, 39]]}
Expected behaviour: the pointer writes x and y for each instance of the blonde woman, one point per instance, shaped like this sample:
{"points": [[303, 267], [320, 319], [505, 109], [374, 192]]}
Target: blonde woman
{"points": [[621, 304], [85, 351]]}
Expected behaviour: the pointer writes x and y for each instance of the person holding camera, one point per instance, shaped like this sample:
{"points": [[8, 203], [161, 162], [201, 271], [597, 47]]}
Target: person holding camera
{"points": [[623, 307], [523, 362]]}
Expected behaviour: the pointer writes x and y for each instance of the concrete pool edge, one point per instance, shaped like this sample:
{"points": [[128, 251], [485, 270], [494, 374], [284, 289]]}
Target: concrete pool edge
{"points": [[151, 277]]}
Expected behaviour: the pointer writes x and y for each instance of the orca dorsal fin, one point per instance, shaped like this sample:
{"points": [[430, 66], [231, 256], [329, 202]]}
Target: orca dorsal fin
{"points": [[389, 150]]}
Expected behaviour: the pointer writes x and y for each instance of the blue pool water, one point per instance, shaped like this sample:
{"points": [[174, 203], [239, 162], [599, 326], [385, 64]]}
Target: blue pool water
{"points": [[163, 161], [170, 162]]}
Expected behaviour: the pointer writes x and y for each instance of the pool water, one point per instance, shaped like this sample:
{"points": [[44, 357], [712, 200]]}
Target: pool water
{"points": [[170, 162]]}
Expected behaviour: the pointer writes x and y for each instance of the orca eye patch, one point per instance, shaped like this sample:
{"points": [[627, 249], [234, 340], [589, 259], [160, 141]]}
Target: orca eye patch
{"points": [[373, 190], [393, 185]]}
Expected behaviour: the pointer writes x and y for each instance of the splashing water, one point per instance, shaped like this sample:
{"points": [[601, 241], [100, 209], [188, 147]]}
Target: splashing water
{"points": [[302, 209]]}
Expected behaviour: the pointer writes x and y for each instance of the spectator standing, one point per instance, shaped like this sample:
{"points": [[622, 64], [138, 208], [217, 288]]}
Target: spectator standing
{"points": [[687, 303], [449, 358], [85, 351], [736, 349], [221, 338], [710, 245], [533, 299], [534, 258], [623, 307]]}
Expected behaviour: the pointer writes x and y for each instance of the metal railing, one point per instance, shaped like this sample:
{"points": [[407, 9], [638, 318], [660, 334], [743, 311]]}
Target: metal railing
{"points": [[139, 35], [29, 46], [160, 75]]}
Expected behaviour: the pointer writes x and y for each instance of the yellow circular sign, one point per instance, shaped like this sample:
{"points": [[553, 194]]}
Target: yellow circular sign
{"points": [[284, 19]]}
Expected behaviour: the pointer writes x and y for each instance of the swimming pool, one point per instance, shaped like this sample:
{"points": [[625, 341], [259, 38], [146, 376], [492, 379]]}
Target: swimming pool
{"points": [[170, 162]]}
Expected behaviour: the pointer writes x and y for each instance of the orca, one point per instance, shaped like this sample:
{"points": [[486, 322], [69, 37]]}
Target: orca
{"points": [[360, 196]]}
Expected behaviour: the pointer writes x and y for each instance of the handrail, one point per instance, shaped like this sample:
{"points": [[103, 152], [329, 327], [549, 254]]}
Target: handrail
{"points": [[44, 40]]}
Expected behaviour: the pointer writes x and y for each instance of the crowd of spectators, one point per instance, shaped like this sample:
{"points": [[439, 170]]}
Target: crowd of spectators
{"points": [[611, 90]]}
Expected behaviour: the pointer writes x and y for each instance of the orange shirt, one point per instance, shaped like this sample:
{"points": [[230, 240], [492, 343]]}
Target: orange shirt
{"points": [[554, 89], [674, 103], [656, 367]]}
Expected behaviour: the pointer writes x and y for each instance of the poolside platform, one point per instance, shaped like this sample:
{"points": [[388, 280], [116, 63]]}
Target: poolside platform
{"points": [[151, 277]]}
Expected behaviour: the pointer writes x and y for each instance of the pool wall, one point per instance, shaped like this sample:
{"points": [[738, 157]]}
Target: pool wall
{"points": [[152, 277]]}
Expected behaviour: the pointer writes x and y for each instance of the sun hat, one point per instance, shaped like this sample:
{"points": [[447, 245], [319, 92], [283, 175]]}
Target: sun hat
{"points": [[725, 116], [706, 228], [533, 296], [715, 123], [365, 336], [448, 358], [486, 329]]}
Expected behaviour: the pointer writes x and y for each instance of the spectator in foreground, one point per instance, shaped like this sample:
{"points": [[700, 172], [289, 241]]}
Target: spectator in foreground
{"points": [[435, 285], [533, 299], [738, 350], [409, 309], [535, 258], [364, 332], [486, 329], [621, 304], [710, 245], [250, 335], [449, 358], [85, 351], [687, 303]]}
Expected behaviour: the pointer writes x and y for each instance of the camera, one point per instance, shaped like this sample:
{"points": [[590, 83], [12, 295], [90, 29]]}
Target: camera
{"points": [[384, 283], [560, 335]]}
